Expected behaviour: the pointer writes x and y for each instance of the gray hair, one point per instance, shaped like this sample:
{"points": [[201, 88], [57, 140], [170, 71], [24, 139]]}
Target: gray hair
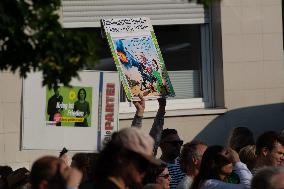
{"points": [[263, 177]]}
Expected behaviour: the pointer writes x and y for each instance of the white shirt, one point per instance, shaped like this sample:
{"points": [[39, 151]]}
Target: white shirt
{"points": [[243, 173]]}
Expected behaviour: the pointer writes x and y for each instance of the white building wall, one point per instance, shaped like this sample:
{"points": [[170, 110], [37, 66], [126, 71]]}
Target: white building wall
{"points": [[253, 71]]}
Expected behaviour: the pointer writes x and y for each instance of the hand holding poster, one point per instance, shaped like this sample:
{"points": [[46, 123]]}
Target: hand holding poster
{"points": [[138, 58]]}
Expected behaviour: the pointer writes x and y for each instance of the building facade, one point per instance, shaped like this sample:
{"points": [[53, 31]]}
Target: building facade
{"points": [[230, 57]]}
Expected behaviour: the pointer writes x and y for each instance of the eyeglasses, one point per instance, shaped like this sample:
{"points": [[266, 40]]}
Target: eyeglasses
{"points": [[166, 176], [175, 142]]}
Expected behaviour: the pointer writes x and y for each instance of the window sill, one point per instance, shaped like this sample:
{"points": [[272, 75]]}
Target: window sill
{"points": [[177, 113]]}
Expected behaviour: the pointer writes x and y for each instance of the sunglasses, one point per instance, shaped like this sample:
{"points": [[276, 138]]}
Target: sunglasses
{"points": [[166, 176], [175, 142]]}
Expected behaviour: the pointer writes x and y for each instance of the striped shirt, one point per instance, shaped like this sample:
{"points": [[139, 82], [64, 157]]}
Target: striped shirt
{"points": [[176, 173]]}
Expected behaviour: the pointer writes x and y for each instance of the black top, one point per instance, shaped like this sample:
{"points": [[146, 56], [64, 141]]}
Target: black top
{"points": [[105, 184]]}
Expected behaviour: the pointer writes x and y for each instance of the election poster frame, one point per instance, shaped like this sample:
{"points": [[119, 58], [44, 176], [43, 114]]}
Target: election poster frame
{"points": [[137, 57], [71, 105], [42, 131]]}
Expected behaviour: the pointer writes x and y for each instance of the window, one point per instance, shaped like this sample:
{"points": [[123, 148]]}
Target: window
{"points": [[185, 50], [183, 33]]}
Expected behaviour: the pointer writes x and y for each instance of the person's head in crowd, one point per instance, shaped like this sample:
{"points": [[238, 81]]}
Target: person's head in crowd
{"points": [[85, 162], [240, 137], [159, 175], [248, 156], [50, 172], [268, 178], [18, 178], [45, 172], [4, 172], [217, 163], [170, 145], [269, 149], [125, 159], [191, 156]]}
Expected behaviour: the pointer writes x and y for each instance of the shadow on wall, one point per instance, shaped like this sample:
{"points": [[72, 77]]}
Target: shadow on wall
{"points": [[257, 118]]}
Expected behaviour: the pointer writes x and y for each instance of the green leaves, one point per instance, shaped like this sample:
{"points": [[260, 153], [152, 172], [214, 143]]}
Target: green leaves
{"points": [[31, 38]]}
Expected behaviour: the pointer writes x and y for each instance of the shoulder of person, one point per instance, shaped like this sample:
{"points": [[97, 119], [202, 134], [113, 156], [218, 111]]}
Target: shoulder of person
{"points": [[211, 183]]}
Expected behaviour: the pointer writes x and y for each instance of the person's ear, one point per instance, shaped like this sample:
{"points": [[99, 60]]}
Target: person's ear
{"points": [[264, 151], [194, 160]]}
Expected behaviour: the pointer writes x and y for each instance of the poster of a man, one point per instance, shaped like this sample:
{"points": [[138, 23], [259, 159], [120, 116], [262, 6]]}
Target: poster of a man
{"points": [[53, 110]]}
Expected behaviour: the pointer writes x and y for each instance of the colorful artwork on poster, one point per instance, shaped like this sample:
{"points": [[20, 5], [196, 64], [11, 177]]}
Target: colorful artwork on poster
{"points": [[138, 58], [70, 107]]}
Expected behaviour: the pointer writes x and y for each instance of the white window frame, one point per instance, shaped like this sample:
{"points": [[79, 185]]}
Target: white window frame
{"points": [[185, 104]]}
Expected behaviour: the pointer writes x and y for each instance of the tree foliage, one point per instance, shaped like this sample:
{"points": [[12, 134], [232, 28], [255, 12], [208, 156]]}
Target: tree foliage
{"points": [[32, 39]]}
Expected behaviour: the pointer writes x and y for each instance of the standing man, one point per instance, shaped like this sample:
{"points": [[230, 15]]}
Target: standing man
{"points": [[53, 106], [167, 139], [191, 156], [170, 146]]}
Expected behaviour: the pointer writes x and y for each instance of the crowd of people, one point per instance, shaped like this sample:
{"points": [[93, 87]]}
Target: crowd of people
{"points": [[128, 161]]}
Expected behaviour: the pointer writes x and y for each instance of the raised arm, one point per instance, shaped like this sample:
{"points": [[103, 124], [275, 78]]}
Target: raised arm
{"points": [[140, 107], [157, 127]]}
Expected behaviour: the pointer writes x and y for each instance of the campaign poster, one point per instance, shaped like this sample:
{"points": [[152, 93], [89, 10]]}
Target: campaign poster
{"points": [[109, 106], [138, 58], [141, 65], [69, 106]]}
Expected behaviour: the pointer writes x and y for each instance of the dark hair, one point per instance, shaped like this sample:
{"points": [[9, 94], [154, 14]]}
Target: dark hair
{"points": [[240, 137], [47, 168], [55, 88], [4, 172], [85, 162], [167, 132], [78, 94], [153, 173], [211, 164], [18, 178], [268, 140], [189, 149]]}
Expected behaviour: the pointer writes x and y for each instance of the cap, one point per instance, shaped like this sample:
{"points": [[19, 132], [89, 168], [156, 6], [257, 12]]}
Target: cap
{"points": [[136, 140]]}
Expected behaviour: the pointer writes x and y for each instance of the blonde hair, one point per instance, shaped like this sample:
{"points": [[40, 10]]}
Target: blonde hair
{"points": [[248, 156]]}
